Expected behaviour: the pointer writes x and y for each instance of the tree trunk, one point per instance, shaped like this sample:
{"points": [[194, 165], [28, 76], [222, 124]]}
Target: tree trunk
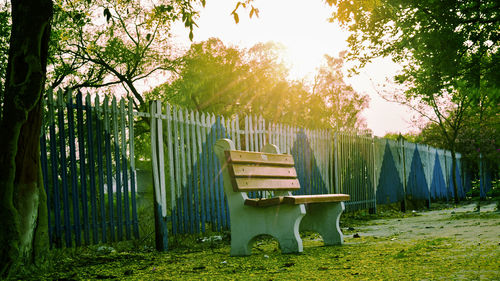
{"points": [[23, 210]]}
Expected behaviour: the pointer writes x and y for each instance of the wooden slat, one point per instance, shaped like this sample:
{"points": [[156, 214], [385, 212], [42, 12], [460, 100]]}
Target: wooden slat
{"points": [[189, 183], [264, 202], [109, 169], [117, 170], [178, 184], [216, 190], [183, 178], [295, 200], [256, 184], [211, 164], [73, 171], [237, 139], [322, 198], [236, 156], [200, 168], [54, 164], [125, 182], [45, 172], [91, 166], [171, 168], [63, 162], [248, 170], [100, 168], [132, 168], [204, 181], [83, 177], [221, 133], [247, 144]]}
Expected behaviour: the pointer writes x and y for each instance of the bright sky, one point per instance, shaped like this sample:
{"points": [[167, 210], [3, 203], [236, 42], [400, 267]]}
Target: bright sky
{"points": [[307, 35]]}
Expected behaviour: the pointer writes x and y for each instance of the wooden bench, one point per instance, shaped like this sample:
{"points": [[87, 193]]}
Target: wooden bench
{"points": [[282, 215]]}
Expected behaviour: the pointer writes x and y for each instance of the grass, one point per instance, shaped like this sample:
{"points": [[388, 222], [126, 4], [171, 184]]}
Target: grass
{"points": [[473, 215], [363, 217], [364, 258]]}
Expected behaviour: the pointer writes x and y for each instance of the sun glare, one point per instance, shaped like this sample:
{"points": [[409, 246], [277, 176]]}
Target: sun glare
{"points": [[302, 27]]}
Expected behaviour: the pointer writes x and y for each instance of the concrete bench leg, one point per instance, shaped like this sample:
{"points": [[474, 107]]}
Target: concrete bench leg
{"points": [[241, 245], [291, 242], [282, 222], [324, 219]]}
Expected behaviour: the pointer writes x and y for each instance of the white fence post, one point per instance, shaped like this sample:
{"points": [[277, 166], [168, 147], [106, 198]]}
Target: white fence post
{"points": [[158, 164]]}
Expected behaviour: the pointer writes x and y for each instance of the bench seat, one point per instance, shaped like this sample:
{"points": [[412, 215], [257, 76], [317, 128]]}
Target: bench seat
{"points": [[296, 199], [282, 215]]}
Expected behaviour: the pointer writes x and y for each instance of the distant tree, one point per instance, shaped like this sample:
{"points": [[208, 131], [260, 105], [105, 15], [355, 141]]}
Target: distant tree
{"points": [[210, 78], [480, 134], [410, 137], [343, 105], [446, 49], [267, 83], [226, 80]]}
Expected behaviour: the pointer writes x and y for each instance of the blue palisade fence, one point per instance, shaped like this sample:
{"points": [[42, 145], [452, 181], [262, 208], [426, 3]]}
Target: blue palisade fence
{"points": [[90, 196], [87, 154]]}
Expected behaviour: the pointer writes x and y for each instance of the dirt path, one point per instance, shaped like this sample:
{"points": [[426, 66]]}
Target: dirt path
{"points": [[462, 223]]}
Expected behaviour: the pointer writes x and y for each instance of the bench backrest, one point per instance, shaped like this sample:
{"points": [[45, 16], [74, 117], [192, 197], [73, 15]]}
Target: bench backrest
{"points": [[259, 171]]}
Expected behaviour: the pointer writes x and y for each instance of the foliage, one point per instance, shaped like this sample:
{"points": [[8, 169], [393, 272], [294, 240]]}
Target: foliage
{"points": [[247, 4], [105, 43], [205, 71], [5, 22], [438, 43], [4, 45], [446, 49], [409, 137], [227, 80], [479, 136], [84, 48], [342, 104], [493, 195], [113, 45]]}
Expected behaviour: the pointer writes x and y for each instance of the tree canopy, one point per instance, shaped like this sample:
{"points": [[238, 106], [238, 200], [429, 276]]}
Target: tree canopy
{"points": [[228, 80], [448, 51], [101, 44]]}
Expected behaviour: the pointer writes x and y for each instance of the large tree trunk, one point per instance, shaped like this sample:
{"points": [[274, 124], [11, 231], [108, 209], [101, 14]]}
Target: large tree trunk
{"points": [[23, 211]]}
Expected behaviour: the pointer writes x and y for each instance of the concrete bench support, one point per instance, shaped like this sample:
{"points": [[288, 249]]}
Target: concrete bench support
{"points": [[324, 219], [281, 216]]}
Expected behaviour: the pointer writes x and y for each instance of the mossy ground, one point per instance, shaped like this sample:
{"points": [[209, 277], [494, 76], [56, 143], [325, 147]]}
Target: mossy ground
{"points": [[369, 257]]}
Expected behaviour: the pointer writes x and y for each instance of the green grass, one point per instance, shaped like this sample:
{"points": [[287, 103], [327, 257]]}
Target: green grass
{"points": [[364, 258], [362, 218], [472, 215]]}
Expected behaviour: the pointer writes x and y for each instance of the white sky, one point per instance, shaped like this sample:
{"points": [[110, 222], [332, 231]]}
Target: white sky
{"points": [[306, 33]]}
